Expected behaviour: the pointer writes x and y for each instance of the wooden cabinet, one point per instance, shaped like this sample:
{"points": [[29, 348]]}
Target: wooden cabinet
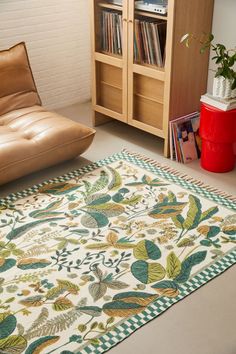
{"points": [[144, 95]]}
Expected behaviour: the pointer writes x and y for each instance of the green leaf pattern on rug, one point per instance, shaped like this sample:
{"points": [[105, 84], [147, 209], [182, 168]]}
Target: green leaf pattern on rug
{"points": [[80, 255]]}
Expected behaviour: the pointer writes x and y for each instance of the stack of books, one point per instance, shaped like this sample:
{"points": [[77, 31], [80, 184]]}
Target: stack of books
{"points": [[149, 42], [185, 142], [223, 104], [111, 32]]}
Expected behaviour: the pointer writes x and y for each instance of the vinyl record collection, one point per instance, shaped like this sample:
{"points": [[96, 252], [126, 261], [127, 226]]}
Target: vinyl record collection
{"points": [[112, 32], [149, 38], [149, 42]]}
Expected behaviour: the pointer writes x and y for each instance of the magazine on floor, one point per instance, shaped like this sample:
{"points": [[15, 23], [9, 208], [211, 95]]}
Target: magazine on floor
{"points": [[185, 141]]}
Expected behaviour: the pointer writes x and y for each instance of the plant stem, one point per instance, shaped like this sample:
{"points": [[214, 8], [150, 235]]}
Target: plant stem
{"points": [[193, 249], [183, 232], [58, 347]]}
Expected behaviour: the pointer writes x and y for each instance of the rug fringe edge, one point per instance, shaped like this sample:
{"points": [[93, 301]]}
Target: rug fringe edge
{"points": [[186, 177]]}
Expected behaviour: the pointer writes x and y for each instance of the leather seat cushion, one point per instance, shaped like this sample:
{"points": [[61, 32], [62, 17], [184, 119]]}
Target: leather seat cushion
{"points": [[32, 138], [17, 86]]}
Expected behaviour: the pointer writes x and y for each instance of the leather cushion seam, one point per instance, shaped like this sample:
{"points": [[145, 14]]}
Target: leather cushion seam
{"points": [[46, 151]]}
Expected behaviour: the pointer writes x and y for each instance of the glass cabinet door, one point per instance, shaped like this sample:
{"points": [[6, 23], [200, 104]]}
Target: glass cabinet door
{"points": [[110, 57], [146, 57]]}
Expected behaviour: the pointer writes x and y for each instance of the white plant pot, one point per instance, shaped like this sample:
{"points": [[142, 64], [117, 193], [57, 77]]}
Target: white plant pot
{"points": [[233, 93], [222, 88]]}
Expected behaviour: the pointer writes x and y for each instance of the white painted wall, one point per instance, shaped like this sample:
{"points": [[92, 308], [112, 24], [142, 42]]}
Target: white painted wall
{"points": [[56, 33], [223, 28]]}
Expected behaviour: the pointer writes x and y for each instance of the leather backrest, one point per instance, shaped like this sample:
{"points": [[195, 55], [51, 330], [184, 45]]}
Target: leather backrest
{"points": [[17, 86]]}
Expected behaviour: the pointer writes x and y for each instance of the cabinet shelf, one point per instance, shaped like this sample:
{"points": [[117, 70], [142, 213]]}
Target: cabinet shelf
{"points": [[110, 6], [111, 85], [150, 71], [109, 59], [142, 95], [148, 98], [150, 66], [151, 15]]}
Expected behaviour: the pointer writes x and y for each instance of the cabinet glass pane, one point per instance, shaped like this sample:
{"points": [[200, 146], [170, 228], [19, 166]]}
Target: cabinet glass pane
{"points": [[149, 33], [109, 27]]}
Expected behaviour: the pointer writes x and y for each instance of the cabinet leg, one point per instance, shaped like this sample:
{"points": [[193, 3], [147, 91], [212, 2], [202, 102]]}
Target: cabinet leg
{"points": [[99, 119], [166, 148]]}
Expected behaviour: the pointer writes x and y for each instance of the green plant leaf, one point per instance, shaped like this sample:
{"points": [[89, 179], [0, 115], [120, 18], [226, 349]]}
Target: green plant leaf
{"points": [[62, 304], [32, 301], [187, 264], [165, 284], [32, 263], [185, 242], [173, 267], [100, 183], [83, 232], [213, 231], [54, 292], [94, 325], [59, 188], [7, 264], [118, 197], [208, 213], [166, 288], [37, 346], [97, 290], [110, 320], [206, 243], [13, 345], [101, 326], [116, 284], [178, 220], [68, 286], [211, 37], [107, 209], [93, 311], [82, 328], [95, 341], [94, 220], [19, 231], [7, 325], [135, 297], [171, 197], [116, 181], [233, 87], [166, 210], [97, 199], [122, 309], [132, 201], [147, 273], [229, 230], [49, 211], [194, 213], [146, 249]]}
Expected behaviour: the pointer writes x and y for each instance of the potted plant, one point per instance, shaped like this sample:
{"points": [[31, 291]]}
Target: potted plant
{"points": [[224, 84]]}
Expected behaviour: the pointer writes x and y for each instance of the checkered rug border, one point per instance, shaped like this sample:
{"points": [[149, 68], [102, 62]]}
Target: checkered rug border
{"points": [[159, 306], [130, 325], [189, 185]]}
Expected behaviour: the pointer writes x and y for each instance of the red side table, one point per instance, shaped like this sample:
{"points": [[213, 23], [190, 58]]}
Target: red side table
{"points": [[218, 133]]}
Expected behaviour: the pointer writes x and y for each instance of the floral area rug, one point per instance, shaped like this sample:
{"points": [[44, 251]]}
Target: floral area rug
{"points": [[88, 258]]}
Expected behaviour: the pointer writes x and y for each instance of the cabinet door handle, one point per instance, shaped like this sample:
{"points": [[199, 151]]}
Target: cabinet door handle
{"points": [[130, 21], [125, 19]]}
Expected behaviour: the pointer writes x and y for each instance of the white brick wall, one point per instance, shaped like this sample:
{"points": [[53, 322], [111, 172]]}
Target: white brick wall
{"points": [[56, 33]]}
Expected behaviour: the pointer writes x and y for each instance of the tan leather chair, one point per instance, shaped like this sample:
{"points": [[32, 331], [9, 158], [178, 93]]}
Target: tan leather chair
{"points": [[31, 138]]}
